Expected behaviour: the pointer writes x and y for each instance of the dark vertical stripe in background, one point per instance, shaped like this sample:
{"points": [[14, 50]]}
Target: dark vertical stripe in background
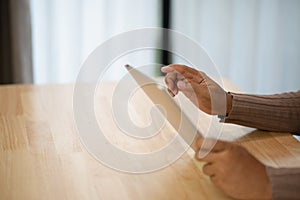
{"points": [[5, 43], [15, 42], [166, 23]]}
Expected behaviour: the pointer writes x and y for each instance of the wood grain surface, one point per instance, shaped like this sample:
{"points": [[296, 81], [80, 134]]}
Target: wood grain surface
{"points": [[41, 156]]}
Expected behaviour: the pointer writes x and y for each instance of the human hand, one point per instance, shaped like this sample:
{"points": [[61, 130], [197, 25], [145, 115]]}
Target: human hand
{"points": [[234, 170], [205, 93]]}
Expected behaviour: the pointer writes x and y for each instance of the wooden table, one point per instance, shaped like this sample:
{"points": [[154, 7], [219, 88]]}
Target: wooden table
{"points": [[41, 156]]}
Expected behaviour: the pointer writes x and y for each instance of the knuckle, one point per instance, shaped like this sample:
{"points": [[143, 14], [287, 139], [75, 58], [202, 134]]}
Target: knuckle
{"points": [[205, 170], [217, 181], [169, 79]]}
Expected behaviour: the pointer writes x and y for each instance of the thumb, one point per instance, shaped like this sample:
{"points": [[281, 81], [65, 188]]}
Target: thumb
{"points": [[212, 145], [185, 87], [188, 90]]}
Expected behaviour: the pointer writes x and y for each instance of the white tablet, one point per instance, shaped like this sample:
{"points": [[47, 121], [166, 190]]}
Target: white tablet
{"points": [[173, 113]]}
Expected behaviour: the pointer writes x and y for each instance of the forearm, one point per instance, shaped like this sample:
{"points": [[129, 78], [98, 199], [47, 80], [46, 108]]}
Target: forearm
{"points": [[280, 112], [285, 182]]}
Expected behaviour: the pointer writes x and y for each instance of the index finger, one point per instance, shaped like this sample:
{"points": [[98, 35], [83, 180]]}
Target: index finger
{"points": [[212, 145], [186, 72], [171, 81], [166, 69], [210, 157]]}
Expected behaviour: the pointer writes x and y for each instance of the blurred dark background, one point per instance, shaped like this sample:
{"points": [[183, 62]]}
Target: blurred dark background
{"points": [[255, 44]]}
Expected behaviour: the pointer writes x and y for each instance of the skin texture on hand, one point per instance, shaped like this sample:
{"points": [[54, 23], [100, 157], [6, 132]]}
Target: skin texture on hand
{"points": [[205, 93], [230, 167], [235, 171]]}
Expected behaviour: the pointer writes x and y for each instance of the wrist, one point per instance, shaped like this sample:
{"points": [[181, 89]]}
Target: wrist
{"points": [[228, 102]]}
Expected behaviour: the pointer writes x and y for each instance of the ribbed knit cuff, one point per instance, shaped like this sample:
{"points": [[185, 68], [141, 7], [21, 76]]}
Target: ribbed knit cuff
{"points": [[267, 112], [285, 182]]}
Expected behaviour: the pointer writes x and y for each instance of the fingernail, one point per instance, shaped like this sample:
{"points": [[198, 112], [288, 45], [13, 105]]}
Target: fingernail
{"points": [[163, 68]]}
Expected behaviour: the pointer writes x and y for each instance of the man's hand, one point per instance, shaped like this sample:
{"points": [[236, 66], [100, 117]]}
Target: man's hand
{"points": [[199, 88], [235, 171]]}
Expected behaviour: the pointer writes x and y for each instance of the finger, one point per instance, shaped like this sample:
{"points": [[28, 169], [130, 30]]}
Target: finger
{"points": [[209, 169], [184, 79], [188, 72], [185, 86], [190, 90], [177, 75], [171, 80], [171, 92], [213, 144], [210, 157], [182, 69], [166, 69], [214, 179]]}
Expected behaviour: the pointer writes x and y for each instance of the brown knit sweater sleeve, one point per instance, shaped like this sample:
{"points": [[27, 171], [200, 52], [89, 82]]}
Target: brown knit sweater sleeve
{"points": [[285, 182], [279, 112]]}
